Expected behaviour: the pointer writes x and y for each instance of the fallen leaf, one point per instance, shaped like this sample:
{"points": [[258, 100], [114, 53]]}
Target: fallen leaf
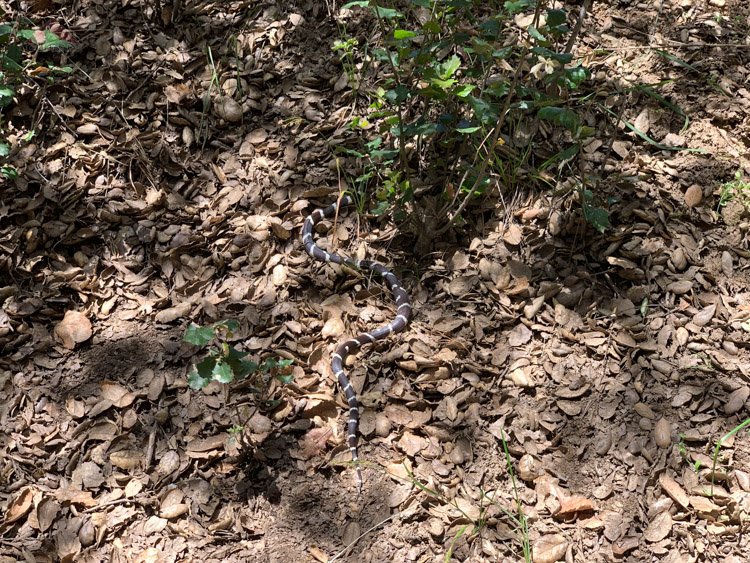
{"points": [[549, 549], [659, 528], [574, 504], [116, 394], [674, 490], [19, 506], [73, 329]]}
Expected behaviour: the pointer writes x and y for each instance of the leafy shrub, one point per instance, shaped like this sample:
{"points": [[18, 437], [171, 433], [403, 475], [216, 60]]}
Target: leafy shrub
{"points": [[459, 91], [21, 47]]}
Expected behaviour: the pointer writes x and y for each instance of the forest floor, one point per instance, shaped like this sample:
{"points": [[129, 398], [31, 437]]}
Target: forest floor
{"points": [[610, 365]]}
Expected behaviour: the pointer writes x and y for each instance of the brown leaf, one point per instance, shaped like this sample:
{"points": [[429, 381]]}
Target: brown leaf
{"points": [[513, 235], [663, 433], [67, 542], [314, 442], [19, 506], [659, 528], [574, 504], [116, 394], [173, 313], [75, 496], [737, 400], [705, 506], [674, 490], [46, 513], [73, 329], [127, 459], [704, 316], [460, 286], [520, 335], [206, 444], [549, 549]]}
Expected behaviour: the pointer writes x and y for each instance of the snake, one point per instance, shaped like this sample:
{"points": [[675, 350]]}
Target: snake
{"points": [[352, 346]]}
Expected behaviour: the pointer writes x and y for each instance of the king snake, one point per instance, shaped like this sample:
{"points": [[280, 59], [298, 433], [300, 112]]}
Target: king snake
{"points": [[352, 346]]}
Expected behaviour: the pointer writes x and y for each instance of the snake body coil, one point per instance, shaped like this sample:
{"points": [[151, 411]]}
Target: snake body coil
{"points": [[352, 346]]}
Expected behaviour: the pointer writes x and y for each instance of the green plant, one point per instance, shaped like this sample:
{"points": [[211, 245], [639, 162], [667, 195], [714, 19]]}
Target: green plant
{"points": [[685, 455], [21, 49], [717, 448], [478, 523], [345, 48], [454, 81], [519, 519], [737, 189], [224, 363]]}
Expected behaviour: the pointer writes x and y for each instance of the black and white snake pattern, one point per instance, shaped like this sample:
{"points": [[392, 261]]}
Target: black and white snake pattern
{"points": [[352, 346]]}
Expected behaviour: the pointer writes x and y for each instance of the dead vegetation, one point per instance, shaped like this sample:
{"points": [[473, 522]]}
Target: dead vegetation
{"points": [[167, 182]]}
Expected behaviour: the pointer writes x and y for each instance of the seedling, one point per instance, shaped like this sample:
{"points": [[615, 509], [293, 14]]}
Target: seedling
{"points": [[744, 424], [738, 189], [224, 363]]}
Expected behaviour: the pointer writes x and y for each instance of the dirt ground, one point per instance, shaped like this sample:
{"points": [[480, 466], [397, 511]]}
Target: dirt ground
{"points": [[609, 364]]}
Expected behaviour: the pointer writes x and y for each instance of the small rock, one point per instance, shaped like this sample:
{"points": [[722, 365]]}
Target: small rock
{"points": [[693, 195], [663, 433]]}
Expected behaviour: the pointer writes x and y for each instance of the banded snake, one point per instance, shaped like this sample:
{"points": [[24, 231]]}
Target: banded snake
{"points": [[352, 346]]}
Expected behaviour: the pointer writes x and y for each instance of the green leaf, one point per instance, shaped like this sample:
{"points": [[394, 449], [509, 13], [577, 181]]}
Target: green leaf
{"points": [[490, 28], [464, 90], [535, 33], [4, 149], [199, 335], [597, 217], [561, 157], [285, 379], [562, 58], [387, 13], [385, 154], [52, 41], [432, 26], [515, 6], [397, 95], [223, 373], [8, 172], [468, 129], [6, 95], [356, 4], [556, 17], [573, 77], [422, 3], [503, 53], [403, 34], [562, 116], [484, 111], [206, 367], [448, 68], [594, 215], [195, 381]]}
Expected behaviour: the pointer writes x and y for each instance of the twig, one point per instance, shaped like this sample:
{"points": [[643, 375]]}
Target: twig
{"points": [[585, 7]]}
